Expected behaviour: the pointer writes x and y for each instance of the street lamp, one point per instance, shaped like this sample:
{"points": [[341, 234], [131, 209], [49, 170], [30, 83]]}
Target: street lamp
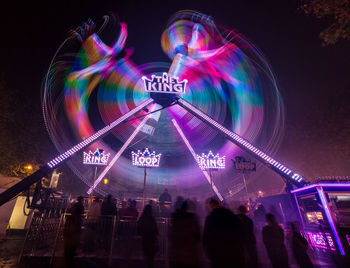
{"points": [[29, 167]]}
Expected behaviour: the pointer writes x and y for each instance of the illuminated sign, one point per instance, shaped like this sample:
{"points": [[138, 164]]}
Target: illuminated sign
{"points": [[318, 240], [211, 161], [242, 164], [164, 84], [96, 158], [145, 158]]}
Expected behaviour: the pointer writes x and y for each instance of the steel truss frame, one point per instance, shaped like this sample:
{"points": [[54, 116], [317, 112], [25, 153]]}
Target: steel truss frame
{"points": [[289, 175]]}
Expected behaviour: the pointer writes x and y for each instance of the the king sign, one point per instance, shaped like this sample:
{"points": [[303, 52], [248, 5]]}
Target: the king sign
{"points": [[96, 158], [211, 161], [164, 84]]}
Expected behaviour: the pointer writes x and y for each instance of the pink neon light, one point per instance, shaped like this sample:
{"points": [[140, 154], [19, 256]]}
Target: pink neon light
{"points": [[342, 185], [318, 240], [330, 219]]}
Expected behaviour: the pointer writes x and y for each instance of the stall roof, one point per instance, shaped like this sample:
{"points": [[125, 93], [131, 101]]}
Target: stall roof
{"points": [[336, 186]]}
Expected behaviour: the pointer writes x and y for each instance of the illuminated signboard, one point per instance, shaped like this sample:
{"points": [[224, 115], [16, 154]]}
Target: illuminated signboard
{"points": [[211, 161], [145, 158], [96, 158], [164, 84], [318, 240], [242, 164]]}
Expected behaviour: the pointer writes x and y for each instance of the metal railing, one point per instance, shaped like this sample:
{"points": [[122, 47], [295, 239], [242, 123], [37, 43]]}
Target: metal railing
{"points": [[40, 237], [103, 239]]}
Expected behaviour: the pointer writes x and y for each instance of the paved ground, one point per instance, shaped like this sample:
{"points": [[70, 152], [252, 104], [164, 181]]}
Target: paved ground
{"points": [[10, 249]]}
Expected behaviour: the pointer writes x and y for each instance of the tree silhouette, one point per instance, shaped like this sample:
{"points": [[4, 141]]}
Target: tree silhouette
{"points": [[337, 11], [23, 138]]}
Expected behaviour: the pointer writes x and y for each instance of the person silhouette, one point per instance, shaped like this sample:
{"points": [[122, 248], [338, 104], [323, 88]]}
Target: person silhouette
{"points": [[72, 231], [165, 196], [148, 230], [165, 203], [108, 211], [108, 207], [299, 249], [184, 238], [131, 210], [273, 238], [222, 237], [248, 237], [259, 216]]}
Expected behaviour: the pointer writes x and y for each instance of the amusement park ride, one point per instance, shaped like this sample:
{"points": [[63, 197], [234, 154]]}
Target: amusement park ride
{"points": [[166, 90], [194, 43]]}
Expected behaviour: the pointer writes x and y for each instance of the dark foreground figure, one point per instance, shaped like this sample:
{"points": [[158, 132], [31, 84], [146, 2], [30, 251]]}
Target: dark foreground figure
{"points": [[72, 232], [108, 210], [222, 237], [273, 237], [184, 238], [147, 229], [299, 248], [249, 238]]}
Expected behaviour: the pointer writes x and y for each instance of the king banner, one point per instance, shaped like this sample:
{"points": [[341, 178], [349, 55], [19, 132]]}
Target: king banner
{"points": [[96, 158], [211, 161], [164, 84]]}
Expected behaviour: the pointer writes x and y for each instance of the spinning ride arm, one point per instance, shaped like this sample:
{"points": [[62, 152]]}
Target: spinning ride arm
{"points": [[44, 170], [119, 153], [276, 166], [190, 148]]}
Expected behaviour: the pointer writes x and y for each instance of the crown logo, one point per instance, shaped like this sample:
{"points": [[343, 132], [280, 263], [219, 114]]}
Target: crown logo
{"points": [[96, 158], [211, 161], [164, 84], [145, 158]]}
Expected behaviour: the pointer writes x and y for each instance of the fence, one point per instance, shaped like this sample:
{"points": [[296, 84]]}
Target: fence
{"points": [[104, 240]]}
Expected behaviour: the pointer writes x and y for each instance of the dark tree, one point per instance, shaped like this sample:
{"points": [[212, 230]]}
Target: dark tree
{"points": [[337, 12], [23, 139]]}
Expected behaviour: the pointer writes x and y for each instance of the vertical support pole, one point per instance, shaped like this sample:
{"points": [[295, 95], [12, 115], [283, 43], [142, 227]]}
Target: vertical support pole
{"points": [[330, 219], [95, 173], [300, 215], [211, 178], [144, 186], [245, 186], [166, 243], [115, 222], [60, 225]]}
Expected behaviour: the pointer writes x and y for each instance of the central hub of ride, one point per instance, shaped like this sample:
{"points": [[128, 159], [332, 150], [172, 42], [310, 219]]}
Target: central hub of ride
{"points": [[164, 89]]}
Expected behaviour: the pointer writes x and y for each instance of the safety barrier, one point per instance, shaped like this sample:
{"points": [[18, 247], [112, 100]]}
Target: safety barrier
{"points": [[104, 240], [41, 236]]}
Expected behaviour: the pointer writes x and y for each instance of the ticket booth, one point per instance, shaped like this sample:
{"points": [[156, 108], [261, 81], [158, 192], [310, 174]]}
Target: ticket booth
{"points": [[324, 210]]}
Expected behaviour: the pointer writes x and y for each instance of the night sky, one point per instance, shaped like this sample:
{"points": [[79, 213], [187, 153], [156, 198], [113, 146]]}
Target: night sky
{"points": [[311, 78]]}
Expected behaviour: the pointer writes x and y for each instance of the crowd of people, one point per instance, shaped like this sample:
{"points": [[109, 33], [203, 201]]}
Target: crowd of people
{"points": [[227, 239]]}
